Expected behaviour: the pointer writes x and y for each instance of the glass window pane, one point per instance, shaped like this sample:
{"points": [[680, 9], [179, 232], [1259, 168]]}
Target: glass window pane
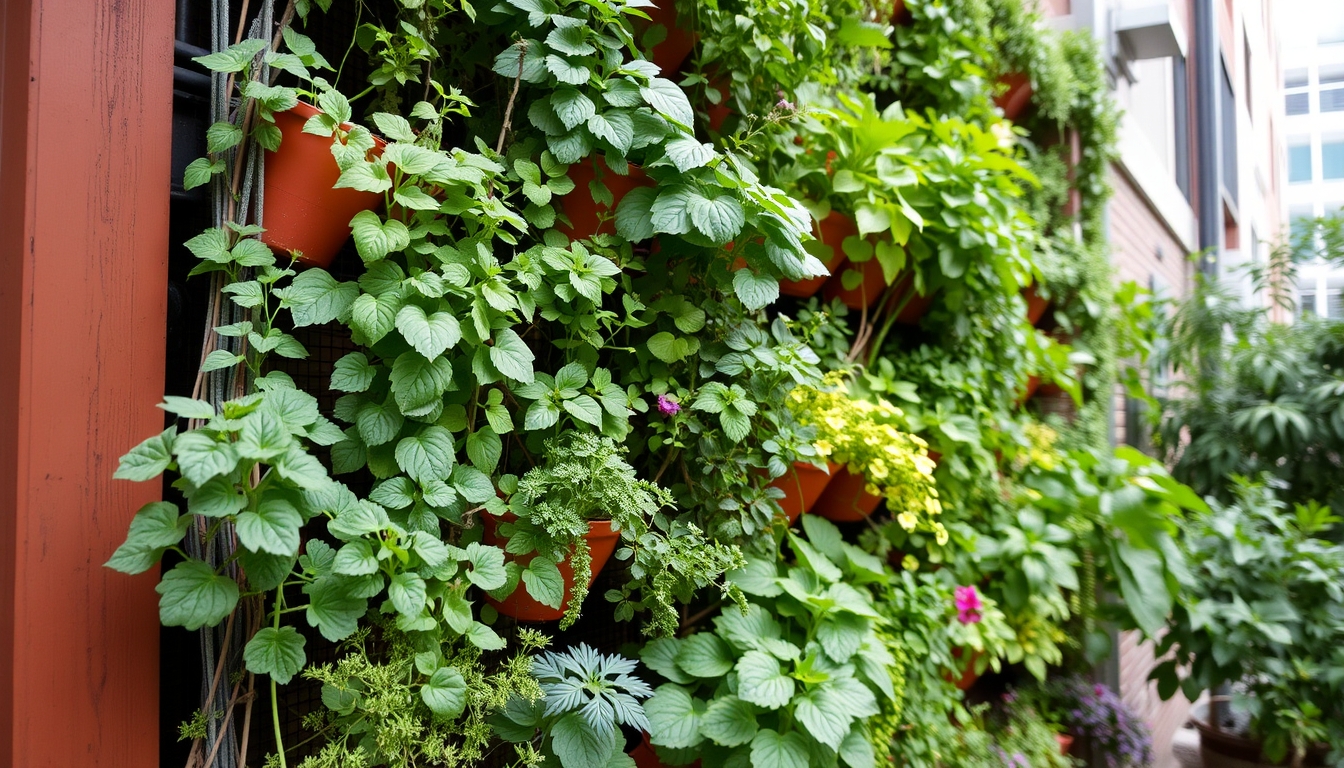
{"points": [[1295, 78], [1306, 305], [1299, 163], [1297, 103], [1332, 160], [1332, 100], [1331, 73]]}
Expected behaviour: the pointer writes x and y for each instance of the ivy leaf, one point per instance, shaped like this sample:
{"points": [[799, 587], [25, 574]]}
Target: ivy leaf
{"points": [[418, 384], [674, 717], [333, 608], [687, 153], [729, 721], [755, 291], [427, 456], [445, 693], [761, 681], [192, 595], [579, 745], [719, 218], [154, 528], [352, 373], [668, 100], [273, 528], [373, 316], [544, 582], [572, 107], [407, 592], [633, 217], [315, 297], [511, 356], [770, 750], [487, 566], [374, 239], [276, 652], [431, 335], [148, 459]]}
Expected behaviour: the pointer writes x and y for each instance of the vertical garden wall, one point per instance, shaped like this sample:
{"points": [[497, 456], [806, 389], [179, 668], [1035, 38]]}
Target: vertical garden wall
{"points": [[719, 382]]}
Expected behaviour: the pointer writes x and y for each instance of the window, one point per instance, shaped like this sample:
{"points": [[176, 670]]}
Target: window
{"points": [[1296, 97], [1332, 159], [1297, 103], [1299, 162], [1306, 304], [1180, 107], [1332, 100], [1228, 113], [1330, 73], [1295, 78], [1246, 69]]}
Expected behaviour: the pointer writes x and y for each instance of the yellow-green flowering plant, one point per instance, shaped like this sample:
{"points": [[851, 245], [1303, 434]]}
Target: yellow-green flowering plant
{"points": [[867, 438]]}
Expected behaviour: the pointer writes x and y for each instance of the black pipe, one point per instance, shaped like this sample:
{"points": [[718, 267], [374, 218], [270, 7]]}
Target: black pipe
{"points": [[1207, 121]]}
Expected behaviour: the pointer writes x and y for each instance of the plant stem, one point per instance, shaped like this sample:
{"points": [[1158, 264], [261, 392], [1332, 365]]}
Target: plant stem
{"points": [[275, 698]]}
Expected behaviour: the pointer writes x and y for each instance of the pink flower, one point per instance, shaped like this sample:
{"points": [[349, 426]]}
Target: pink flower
{"points": [[667, 406], [968, 605]]}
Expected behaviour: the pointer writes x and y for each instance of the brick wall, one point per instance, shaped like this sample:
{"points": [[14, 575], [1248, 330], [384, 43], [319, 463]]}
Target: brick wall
{"points": [[1145, 251]]}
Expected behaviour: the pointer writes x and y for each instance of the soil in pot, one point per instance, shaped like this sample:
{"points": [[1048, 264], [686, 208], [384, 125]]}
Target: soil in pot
{"points": [[587, 216], [602, 538], [802, 486], [831, 232], [845, 500], [300, 210]]}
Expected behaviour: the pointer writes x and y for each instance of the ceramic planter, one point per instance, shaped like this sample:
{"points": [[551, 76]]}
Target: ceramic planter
{"points": [[868, 292], [968, 674], [1065, 742], [845, 500], [671, 53], [1017, 98], [585, 214], [831, 231], [802, 486], [645, 756], [300, 210], [602, 538], [1225, 749], [1036, 304]]}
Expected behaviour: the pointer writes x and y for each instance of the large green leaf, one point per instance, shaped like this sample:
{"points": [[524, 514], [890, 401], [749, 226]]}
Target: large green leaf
{"points": [[154, 528], [375, 239], [445, 693], [729, 721], [333, 606], [192, 595], [755, 291], [825, 718], [201, 457], [761, 681], [427, 456], [770, 750], [315, 297], [511, 356], [674, 717], [668, 100], [276, 652], [273, 527], [418, 384], [578, 745], [718, 218], [430, 335], [544, 582], [407, 592], [705, 655]]}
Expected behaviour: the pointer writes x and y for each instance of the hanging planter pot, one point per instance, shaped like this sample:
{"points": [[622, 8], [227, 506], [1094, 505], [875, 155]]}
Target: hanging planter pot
{"points": [[845, 500], [587, 216], [900, 14], [300, 210], [831, 231], [865, 294], [718, 114], [802, 485], [671, 53], [645, 756], [1015, 100], [1222, 748], [602, 538], [1065, 743], [1033, 384], [1036, 304], [968, 674]]}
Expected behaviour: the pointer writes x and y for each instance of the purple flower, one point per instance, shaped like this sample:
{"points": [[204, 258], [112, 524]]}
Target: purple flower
{"points": [[968, 605], [667, 406], [786, 105]]}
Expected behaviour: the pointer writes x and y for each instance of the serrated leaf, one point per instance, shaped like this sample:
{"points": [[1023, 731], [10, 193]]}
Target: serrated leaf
{"points": [[315, 297], [579, 745], [770, 750], [729, 721], [572, 107], [356, 558], [668, 100], [154, 528], [543, 582], [761, 681], [352, 373], [192, 595], [375, 239], [445, 693], [273, 527], [753, 290], [430, 335], [674, 717], [511, 356], [148, 459], [720, 218], [633, 216], [427, 456], [686, 153], [277, 652], [407, 592], [418, 384], [487, 566]]}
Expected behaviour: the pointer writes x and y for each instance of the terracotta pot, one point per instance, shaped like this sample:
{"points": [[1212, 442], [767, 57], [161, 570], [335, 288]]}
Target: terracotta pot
{"points": [[645, 756], [968, 674], [1065, 742], [671, 53], [845, 500], [935, 457], [1033, 384], [1017, 98], [802, 486], [830, 231], [301, 211], [719, 113], [900, 15], [865, 294], [1036, 304], [601, 538], [583, 211]]}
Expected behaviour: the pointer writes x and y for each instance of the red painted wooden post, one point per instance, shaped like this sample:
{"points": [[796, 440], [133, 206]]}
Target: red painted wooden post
{"points": [[85, 136]]}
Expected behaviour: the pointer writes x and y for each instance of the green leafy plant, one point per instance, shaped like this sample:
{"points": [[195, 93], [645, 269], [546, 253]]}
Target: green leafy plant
{"points": [[587, 698], [798, 673], [1264, 610]]}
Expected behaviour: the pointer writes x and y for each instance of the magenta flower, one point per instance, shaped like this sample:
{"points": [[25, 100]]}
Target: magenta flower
{"points": [[968, 605], [667, 406]]}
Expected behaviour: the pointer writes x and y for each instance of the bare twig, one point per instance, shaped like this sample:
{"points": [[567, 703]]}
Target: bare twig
{"points": [[508, 110]]}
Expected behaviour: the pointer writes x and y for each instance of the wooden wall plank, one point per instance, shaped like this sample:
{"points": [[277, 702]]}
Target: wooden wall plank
{"points": [[85, 137]]}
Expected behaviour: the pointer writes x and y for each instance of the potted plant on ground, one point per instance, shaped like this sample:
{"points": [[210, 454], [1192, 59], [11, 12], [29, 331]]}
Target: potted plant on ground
{"points": [[1096, 715], [1262, 612]]}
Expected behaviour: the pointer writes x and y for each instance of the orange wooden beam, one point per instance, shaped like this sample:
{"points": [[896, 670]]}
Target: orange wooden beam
{"points": [[85, 137]]}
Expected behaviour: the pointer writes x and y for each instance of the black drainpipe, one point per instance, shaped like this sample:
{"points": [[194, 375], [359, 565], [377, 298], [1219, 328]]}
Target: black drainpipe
{"points": [[1207, 135]]}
